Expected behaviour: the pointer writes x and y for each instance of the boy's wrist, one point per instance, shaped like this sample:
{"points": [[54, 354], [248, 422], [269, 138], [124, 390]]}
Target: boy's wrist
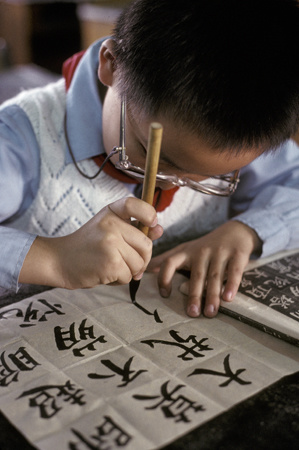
{"points": [[41, 264], [257, 243]]}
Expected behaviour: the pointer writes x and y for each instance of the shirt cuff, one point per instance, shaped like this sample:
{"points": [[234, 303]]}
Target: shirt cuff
{"points": [[15, 245], [270, 228]]}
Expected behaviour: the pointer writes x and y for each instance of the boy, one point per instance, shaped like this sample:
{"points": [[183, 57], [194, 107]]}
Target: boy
{"points": [[223, 79]]}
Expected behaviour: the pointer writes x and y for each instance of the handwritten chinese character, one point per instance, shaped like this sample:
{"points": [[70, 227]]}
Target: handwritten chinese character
{"points": [[32, 314], [173, 407], [109, 435], [68, 339], [126, 373], [47, 401], [20, 361], [155, 313], [194, 351], [228, 373]]}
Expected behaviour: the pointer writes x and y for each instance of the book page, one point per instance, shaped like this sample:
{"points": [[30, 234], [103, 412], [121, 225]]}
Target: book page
{"points": [[269, 295]]}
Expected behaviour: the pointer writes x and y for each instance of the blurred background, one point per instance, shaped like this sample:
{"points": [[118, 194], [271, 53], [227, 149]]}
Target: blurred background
{"points": [[46, 32]]}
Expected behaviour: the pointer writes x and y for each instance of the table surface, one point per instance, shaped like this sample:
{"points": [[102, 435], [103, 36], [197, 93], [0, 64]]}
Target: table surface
{"points": [[269, 419]]}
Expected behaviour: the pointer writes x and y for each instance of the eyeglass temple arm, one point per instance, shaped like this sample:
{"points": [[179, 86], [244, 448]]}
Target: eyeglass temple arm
{"points": [[122, 133]]}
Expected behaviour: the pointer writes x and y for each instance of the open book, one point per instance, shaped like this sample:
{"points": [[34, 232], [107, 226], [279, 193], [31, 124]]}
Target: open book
{"points": [[268, 296]]}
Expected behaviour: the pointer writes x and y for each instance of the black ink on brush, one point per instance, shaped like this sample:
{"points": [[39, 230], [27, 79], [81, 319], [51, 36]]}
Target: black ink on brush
{"points": [[149, 184], [133, 287]]}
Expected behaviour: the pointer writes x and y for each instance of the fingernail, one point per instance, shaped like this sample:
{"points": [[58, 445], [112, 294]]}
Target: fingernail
{"points": [[210, 310], [138, 276], [155, 222], [193, 311], [229, 296], [163, 292]]}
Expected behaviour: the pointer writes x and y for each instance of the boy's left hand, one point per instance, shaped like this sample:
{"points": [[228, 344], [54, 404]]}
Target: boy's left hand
{"points": [[218, 256]]}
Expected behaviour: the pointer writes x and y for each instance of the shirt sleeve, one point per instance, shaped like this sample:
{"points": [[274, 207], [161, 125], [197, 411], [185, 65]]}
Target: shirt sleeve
{"points": [[19, 180], [268, 199], [14, 247]]}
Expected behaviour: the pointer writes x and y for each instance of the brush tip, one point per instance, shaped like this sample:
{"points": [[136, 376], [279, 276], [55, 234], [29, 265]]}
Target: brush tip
{"points": [[133, 287]]}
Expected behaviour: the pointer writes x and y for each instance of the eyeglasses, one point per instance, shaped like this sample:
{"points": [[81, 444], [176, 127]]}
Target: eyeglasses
{"points": [[221, 185]]}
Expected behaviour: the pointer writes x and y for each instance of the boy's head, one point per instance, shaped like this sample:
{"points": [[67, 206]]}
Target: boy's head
{"points": [[227, 70]]}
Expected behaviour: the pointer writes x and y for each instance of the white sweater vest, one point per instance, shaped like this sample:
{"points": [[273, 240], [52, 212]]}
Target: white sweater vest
{"points": [[66, 200]]}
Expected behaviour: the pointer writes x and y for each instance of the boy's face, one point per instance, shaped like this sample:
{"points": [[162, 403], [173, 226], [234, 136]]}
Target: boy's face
{"points": [[182, 153]]}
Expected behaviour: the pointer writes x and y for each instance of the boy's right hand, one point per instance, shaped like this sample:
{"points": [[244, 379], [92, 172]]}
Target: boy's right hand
{"points": [[108, 249]]}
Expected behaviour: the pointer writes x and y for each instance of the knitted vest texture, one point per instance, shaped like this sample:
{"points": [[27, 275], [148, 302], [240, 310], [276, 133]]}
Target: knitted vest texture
{"points": [[66, 200]]}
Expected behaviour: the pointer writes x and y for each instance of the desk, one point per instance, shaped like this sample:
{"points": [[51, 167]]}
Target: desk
{"points": [[266, 420]]}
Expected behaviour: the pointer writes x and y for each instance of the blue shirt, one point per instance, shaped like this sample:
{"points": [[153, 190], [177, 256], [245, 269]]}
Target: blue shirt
{"points": [[267, 197]]}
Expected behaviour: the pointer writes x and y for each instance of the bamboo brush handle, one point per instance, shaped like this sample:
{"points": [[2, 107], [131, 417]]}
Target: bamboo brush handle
{"points": [[151, 166]]}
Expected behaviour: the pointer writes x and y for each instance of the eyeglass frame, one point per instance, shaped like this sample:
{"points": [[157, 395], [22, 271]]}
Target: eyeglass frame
{"points": [[126, 166]]}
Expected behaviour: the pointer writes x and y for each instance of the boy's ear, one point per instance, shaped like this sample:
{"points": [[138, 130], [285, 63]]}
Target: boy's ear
{"points": [[107, 65]]}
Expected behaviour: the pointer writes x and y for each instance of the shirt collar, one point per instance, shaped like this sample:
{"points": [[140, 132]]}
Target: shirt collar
{"points": [[84, 108]]}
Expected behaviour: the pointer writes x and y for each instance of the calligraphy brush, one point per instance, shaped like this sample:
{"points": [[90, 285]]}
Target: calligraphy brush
{"points": [[149, 184]]}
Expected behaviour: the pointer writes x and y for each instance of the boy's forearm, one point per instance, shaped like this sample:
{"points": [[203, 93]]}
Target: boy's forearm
{"points": [[41, 264]]}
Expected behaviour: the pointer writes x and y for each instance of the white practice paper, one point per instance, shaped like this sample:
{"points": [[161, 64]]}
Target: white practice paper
{"points": [[88, 369]]}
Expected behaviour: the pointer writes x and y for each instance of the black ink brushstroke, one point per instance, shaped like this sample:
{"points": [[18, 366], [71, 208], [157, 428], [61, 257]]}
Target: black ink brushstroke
{"points": [[155, 313]]}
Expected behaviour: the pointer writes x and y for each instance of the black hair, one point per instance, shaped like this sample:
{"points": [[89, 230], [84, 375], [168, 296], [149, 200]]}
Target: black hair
{"points": [[226, 69]]}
